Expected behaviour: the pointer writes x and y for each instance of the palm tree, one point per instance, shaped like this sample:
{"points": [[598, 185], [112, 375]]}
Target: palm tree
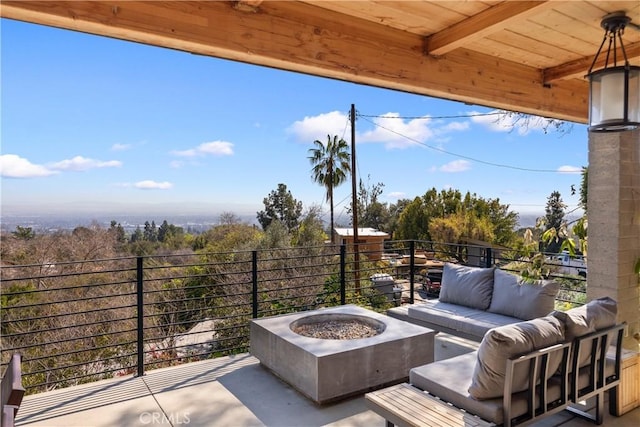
{"points": [[331, 166]]}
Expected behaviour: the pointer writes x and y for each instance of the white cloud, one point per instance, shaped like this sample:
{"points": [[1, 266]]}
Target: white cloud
{"points": [[397, 195], [176, 164], [13, 166], [81, 164], [453, 126], [456, 166], [569, 169], [493, 122], [396, 132], [318, 127], [508, 122], [389, 129], [153, 185], [121, 147], [214, 148]]}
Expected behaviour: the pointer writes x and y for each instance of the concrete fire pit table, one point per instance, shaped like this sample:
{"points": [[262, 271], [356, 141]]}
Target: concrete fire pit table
{"points": [[326, 370]]}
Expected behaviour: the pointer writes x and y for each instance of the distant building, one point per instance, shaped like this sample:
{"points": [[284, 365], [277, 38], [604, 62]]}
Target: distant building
{"points": [[370, 241]]}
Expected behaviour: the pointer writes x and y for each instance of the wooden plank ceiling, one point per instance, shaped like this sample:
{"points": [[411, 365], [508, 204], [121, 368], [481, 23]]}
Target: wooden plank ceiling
{"points": [[527, 56]]}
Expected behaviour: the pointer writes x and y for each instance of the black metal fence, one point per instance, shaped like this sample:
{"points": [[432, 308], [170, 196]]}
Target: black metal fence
{"points": [[78, 322]]}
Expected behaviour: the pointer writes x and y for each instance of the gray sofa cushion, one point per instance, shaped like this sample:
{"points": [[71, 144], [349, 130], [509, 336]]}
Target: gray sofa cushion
{"points": [[450, 379], [512, 296], [467, 320], [468, 286], [504, 342], [595, 315]]}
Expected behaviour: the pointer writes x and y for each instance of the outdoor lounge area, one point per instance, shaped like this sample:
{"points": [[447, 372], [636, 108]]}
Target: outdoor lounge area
{"points": [[523, 57], [235, 373], [229, 391]]}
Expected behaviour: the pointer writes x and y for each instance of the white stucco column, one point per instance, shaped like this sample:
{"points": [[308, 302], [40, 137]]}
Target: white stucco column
{"points": [[614, 224]]}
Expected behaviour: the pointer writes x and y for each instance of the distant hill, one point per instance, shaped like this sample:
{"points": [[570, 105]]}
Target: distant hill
{"points": [[528, 220]]}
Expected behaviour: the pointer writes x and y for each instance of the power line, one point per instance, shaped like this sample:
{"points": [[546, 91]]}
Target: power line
{"points": [[500, 165], [461, 116]]}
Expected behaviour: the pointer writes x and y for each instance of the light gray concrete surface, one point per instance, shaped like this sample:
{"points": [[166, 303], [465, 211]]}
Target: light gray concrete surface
{"points": [[223, 392], [327, 369]]}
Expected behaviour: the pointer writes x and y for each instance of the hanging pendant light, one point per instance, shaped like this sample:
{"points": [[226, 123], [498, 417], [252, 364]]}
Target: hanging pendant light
{"points": [[614, 91]]}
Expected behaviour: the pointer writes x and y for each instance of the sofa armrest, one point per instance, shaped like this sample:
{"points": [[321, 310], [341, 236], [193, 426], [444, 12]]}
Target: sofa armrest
{"points": [[539, 400], [602, 375]]}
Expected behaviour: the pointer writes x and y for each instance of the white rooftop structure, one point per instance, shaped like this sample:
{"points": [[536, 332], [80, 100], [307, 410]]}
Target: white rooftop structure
{"points": [[362, 232]]}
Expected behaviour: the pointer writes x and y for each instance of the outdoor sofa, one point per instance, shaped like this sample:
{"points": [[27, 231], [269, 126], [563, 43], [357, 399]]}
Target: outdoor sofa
{"points": [[532, 361], [474, 300], [569, 356]]}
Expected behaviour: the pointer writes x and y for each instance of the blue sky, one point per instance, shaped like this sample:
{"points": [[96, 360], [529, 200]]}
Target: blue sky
{"points": [[102, 125]]}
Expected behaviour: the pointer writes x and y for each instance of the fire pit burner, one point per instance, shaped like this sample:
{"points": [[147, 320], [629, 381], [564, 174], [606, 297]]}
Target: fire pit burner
{"points": [[337, 327]]}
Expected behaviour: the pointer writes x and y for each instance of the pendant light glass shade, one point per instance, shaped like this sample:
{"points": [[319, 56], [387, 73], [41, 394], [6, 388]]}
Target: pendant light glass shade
{"points": [[614, 99], [614, 91]]}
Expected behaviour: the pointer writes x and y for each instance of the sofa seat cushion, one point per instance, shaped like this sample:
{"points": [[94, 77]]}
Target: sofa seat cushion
{"points": [[470, 321], [504, 342], [526, 300], [468, 286], [450, 379]]}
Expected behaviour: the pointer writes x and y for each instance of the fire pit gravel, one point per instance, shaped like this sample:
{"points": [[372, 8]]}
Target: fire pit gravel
{"points": [[337, 330]]}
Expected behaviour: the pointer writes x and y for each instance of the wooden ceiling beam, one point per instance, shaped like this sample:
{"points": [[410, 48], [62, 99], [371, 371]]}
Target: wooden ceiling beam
{"points": [[247, 5], [484, 23], [299, 37], [580, 67]]}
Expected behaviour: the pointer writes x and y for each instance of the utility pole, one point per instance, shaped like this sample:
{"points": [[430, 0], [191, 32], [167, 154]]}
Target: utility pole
{"points": [[354, 202]]}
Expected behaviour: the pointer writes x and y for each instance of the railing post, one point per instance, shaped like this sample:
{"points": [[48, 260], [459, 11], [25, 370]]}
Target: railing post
{"points": [[488, 257], [140, 307], [254, 283], [343, 274], [412, 264]]}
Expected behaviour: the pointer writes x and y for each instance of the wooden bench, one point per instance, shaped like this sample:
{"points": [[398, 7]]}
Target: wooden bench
{"points": [[406, 406], [12, 390]]}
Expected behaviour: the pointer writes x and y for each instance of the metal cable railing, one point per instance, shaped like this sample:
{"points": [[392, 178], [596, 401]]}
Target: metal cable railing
{"points": [[77, 322]]}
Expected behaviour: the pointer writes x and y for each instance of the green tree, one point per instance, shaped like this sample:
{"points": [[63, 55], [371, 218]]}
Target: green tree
{"points": [[413, 222], [554, 224], [331, 165], [137, 235], [458, 226], [24, 233], [583, 189], [276, 236], [118, 231], [163, 231], [503, 222], [282, 206], [395, 210], [228, 237], [416, 217], [150, 231], [371, 212], [311, 230]]}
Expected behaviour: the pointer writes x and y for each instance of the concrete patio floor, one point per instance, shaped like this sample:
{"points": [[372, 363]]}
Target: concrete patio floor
{"points": [[229, 391]]}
